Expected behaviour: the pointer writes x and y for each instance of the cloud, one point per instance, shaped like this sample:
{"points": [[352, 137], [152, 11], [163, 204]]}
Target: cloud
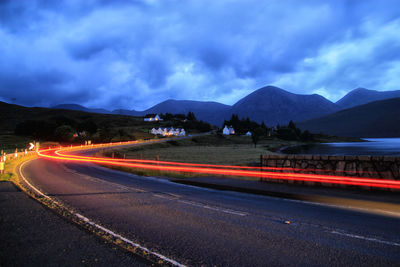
{"points": [[362, 61], [134, 54]]}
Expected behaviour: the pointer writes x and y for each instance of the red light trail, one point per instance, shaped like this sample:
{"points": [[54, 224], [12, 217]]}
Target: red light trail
{"points": [[58, 152], [226, 170]]}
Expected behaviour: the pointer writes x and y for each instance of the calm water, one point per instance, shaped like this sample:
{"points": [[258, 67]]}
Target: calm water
{"points": [[375, 146]]}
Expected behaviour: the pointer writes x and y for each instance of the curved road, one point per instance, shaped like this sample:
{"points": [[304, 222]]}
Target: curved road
{"points": [[196, 226]]}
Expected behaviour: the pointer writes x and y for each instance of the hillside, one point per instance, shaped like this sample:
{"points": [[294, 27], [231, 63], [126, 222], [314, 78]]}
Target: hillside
{"points": [[362, 96], [127, 112], [81, 108], [276, 106], [11, 115], [212, 112], [376, 119]]}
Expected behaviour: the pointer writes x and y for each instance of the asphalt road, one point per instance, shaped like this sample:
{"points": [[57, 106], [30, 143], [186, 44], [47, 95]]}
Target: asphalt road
{"points": [[33, 235], [197, 226]]}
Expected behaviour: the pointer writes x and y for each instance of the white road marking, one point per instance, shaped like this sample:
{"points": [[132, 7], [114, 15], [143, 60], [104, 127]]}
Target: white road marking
{"points": [[164, 258], [165, 196], [366, 238], [196, 204], [33, 187], [88, 221], [234, 212], [91, 178]]}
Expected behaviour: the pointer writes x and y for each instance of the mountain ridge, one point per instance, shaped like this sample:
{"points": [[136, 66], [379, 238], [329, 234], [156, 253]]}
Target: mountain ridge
{"points": [[360, 96], [274, 105], [81, 108], [270, 104], [375, 119]]}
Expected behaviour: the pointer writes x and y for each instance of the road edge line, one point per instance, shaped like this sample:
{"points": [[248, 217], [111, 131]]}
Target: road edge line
{"points": [[88, 225]]}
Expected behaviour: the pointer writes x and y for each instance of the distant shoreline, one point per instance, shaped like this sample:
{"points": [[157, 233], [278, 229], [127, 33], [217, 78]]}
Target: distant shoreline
{"points": [[329, 139]]}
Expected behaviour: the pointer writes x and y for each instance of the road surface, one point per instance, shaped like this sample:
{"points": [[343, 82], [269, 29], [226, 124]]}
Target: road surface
{"points": [[197, 226]]}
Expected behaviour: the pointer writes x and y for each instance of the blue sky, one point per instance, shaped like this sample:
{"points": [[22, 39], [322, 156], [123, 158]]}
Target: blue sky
{"points": [[134, 54]]}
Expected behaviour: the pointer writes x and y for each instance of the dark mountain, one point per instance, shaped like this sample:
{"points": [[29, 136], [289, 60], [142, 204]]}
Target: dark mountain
{"points": [[269, 104], [276, 106], [127, 112], [82, 108], [212, 112], [11, 115], [362, 96], [376, 119]]}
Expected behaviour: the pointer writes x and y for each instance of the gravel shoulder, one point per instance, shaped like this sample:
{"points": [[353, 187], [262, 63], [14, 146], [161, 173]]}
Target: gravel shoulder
{"points": [[31, 234]]}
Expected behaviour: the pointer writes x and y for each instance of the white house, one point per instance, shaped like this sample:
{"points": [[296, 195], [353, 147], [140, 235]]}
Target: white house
{"points": [[225, 131], [152, 117], [168, 131], [248, 133], [228, 131]]}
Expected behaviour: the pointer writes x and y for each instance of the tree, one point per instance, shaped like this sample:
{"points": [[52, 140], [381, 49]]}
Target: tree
{"points": [[287, 133], [191, 116], [256, 135], [64, 133], [105, 134], [291, 125], [167, 116], [263, 125], [88, 126]]}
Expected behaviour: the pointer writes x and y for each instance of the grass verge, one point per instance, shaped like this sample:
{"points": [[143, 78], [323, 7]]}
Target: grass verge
{"points": [[10, 168], [210, 149]]}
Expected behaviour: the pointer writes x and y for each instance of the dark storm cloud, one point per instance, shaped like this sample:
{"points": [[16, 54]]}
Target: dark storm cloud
{"points": [[38, 87], [133, 54]]}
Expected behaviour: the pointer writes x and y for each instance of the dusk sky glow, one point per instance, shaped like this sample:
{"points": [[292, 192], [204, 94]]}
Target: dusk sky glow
{"points": [[134, 54]]}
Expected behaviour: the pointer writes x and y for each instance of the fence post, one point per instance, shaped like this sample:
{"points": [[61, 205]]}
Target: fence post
{"points": [[1, 167]]}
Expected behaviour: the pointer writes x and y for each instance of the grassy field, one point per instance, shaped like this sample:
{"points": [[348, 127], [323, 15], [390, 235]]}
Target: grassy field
{"points": [[208, 149], [212, 149]]}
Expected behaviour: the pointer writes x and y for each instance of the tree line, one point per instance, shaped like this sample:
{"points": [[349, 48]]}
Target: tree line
{"points": [[189, 122], [288, 132]]}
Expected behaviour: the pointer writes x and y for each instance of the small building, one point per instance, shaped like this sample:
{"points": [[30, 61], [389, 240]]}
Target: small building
{"points": [[248, 133], [168, 131], [154, 131], [152, 117], [228, 130]]}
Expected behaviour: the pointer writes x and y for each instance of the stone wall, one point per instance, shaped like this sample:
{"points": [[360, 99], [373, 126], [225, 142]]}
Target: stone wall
{"points": [[382, 167]]}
